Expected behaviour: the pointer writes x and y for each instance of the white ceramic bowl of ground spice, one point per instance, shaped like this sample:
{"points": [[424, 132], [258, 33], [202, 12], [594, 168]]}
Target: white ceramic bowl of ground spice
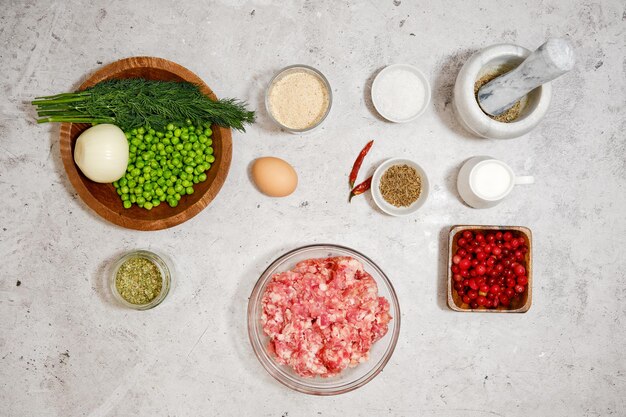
{"points": [[399, 187], [140, 280], [298, 98]]}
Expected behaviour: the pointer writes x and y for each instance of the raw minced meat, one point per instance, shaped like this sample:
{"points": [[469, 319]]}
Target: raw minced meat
{"points": [[323, 316]]}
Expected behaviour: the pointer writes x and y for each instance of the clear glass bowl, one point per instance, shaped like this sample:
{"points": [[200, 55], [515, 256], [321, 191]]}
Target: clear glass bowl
{"points": [[349, 379], [164, 269], [288, 70]]}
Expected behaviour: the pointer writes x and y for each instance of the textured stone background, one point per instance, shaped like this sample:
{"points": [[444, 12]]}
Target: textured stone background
{"points": [[67, 350]]}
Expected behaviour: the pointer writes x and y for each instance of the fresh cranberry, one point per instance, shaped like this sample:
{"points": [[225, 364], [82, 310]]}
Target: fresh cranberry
{"points": [[484, 288], [457, 277], [507, 236], [467, 234], [458, 286], [464, 273], [496, 251], [510, 282], [456, 259], [474, 305], [519, 270], [461, 242], [464, 263], [488, 303], [466, 299], [504, 299], [473, 284], [461, 252], [480, 300], [519, 289], [472, 294], [495, 289], [522, 280], [510, 292]]}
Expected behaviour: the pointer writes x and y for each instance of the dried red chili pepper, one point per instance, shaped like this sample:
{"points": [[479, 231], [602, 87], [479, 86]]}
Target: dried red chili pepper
{"points": [[361, 188], [358, 162]]}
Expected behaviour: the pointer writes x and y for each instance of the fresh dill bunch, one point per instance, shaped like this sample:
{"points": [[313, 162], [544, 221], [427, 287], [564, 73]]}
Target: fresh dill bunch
{"points": [[135, 102]]}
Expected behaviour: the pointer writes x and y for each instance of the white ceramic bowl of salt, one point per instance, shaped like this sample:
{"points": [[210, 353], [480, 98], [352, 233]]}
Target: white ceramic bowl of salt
{"points": [[400, 93]]}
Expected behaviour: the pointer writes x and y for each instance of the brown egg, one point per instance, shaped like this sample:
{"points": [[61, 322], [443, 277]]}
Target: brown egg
{"points": [[274, 177]]}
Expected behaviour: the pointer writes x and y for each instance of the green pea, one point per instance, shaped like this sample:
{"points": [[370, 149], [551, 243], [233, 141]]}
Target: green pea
{"points": [[177, 197], [208, 132], [170, 191], [170, 126], [209, 142], [173, 203], [141, 180], [209, 151], [159, 134], [140, 200], [116, 184], [195, 179], [147, 205], [202, 139], [202, 177], [177, 132], [189, 190], [156, 202], [178, 188], [210, 159], [127, 204], [124, 196], [132, 198]]}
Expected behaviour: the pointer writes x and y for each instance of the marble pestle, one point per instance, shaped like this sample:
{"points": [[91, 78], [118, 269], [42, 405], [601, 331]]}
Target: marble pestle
{"points": [[551, 60]]}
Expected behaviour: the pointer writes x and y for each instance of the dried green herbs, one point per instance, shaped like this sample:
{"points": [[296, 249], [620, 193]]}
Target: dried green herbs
{"points": [[138, 281], [401, 185]]}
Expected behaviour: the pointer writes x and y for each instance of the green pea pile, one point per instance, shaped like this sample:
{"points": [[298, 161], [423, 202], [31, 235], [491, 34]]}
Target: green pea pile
{"points": [[164, 166]]}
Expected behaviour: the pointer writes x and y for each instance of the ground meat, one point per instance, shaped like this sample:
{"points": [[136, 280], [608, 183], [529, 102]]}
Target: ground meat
{"points": [[323, 316]]}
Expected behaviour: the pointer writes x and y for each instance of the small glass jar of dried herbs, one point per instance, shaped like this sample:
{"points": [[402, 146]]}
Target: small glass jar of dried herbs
{"points": [[140, 280]]}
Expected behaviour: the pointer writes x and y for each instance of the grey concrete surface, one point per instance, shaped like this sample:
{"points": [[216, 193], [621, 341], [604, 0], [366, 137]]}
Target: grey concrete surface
{"points": [[67, 350]]}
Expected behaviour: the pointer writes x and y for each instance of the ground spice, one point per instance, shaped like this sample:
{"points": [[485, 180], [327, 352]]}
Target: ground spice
{"points": [[138, 281], [508, 116], [299, 100], [400, 185]]}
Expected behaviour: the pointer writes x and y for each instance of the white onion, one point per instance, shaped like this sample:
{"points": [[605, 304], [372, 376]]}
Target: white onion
{"points": [[101, 153]]}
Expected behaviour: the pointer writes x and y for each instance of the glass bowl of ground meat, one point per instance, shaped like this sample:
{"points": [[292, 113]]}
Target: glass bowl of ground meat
{"points": [[323, 319]]}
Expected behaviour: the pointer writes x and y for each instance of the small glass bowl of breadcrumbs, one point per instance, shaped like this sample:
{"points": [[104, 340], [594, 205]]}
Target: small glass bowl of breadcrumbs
{"points": [[399, 186], [140, 280]]}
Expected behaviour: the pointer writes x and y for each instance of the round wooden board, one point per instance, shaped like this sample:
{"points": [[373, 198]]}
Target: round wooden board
{"points": [[103, 198]]}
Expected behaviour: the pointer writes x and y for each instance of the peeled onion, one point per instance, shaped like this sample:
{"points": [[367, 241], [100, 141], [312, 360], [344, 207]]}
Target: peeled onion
{"points": [[101, 153]]}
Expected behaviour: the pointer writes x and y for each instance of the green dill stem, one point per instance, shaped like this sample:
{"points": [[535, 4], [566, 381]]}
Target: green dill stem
{"points": [[46, 102]]}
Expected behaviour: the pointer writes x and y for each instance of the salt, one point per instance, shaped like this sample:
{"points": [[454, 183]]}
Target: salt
{"points": [[399, 93]]}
